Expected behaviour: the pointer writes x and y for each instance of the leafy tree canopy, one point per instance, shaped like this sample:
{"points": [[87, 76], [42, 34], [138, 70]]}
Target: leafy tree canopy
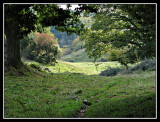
{"points": [[130, 28]]}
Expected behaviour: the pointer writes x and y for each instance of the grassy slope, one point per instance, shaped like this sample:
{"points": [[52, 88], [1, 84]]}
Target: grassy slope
{"points": [[87, 68], [44, 95], [78, 56], [126, 96]]}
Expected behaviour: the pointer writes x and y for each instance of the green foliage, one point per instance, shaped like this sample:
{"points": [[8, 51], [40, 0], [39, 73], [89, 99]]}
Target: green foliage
{"points": [[88, 21], [47, 48], [120, 56], [41, 47], [19, 15], [125, 27], [76, 45]]}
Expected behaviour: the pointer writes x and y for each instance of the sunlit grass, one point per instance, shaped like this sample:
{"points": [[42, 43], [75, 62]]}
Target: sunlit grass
{"points": [[88, 68]]}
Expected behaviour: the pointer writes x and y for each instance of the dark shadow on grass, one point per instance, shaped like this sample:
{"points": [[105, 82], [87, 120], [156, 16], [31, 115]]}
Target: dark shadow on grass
{"points": [[130, 107]]}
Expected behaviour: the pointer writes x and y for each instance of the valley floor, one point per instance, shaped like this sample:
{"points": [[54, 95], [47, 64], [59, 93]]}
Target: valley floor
{"points": [[44, 95]]}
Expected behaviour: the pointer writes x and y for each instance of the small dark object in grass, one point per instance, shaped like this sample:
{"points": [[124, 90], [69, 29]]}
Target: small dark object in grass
{"points": [[86, 102], [46, 69], [144, 68]]}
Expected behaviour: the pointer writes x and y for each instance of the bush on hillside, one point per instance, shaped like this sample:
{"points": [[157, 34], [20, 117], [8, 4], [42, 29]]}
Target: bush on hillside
{"points": [[145, 65], [72, 60], [103, 60], [110, 72]]}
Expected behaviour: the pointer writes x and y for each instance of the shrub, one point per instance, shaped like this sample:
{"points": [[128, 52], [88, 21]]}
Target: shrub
{"points": [[72, 60], [103, 60], [110, 72], [145, 65], [41, 47]]}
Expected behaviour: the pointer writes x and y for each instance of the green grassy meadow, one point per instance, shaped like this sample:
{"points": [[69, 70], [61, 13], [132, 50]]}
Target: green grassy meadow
{"points": [[43, 94], [87, 68], [77, 56]]}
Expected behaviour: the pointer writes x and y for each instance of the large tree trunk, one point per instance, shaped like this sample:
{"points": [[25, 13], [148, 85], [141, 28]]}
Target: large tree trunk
{"points": [[13, 47], [13, 53]]}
